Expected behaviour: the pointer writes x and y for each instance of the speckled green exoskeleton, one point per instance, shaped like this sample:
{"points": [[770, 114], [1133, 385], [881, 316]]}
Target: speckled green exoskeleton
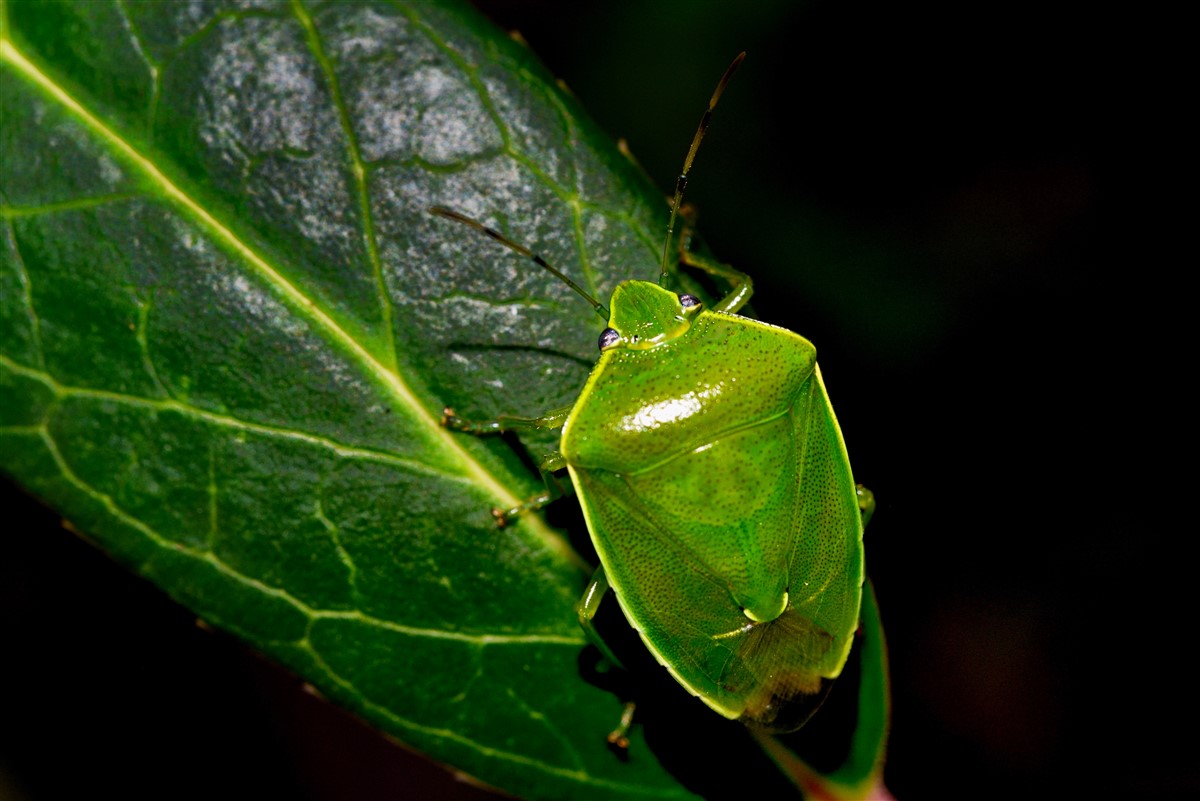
{"points": [[716, 489]]}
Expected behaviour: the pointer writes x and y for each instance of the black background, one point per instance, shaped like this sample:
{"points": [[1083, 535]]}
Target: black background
{"points": [[946, 199]]}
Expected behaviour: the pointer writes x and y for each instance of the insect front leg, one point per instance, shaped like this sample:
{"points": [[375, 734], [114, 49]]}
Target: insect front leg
{"points": [[743, 285], [550, 464]]}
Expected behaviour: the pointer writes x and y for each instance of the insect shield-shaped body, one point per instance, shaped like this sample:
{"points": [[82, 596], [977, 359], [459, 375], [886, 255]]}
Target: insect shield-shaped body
{"points": [[719, 497], [716, 489]]}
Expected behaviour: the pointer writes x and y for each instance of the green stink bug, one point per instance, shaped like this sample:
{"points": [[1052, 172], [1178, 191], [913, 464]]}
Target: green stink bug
{"points": [[716, 489]]}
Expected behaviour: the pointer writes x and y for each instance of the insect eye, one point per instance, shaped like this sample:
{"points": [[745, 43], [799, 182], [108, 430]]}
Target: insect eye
{"points": [[688, 301], [608, 338]]}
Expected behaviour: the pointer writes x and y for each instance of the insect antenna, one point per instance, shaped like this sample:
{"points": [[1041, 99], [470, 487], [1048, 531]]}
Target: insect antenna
{"points": [[450, 214], [681, 181]]}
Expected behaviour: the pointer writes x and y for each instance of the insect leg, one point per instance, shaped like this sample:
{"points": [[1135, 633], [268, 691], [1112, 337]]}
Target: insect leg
{"points": [[554, 418], [743, 285], [587, 607], [550, 463], [619, 737]]}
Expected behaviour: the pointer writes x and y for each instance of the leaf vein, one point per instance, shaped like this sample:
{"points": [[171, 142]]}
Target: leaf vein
{"points": [[143, 318], [172, 405], [159, 540], [74, 204], [153, 67], [552, 729], [442, 634], [359, 170], [35, 323], [335, 535]]}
